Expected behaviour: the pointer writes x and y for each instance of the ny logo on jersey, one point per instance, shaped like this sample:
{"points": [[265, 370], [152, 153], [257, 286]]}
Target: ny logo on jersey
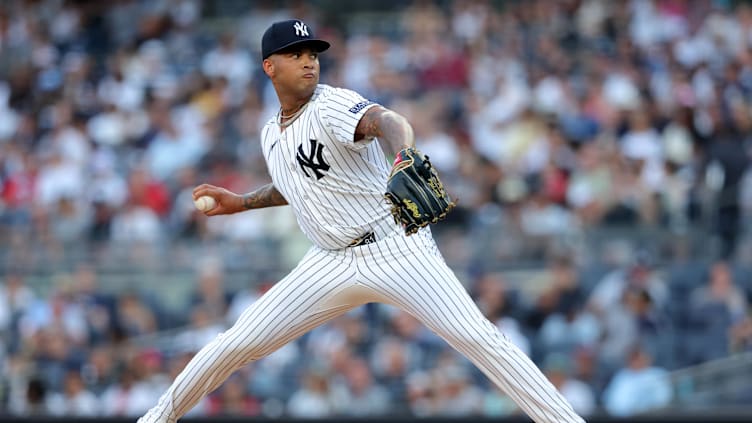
{"points": [[301, 30], [313, 161]]}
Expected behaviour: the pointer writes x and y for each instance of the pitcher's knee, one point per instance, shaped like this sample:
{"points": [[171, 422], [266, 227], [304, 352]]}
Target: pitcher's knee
{"points": [[483, 334], [474, 337], [242, 348]]}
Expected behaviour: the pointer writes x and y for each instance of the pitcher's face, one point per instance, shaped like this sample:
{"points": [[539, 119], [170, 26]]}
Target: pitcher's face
{"points": [[295, 71]]}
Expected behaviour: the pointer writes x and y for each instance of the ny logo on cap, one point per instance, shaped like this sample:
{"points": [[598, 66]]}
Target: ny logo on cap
{"points": [[301, 30]]}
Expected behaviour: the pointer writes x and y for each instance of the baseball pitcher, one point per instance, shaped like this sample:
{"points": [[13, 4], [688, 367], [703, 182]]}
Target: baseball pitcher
{"points": [[367, 220]]}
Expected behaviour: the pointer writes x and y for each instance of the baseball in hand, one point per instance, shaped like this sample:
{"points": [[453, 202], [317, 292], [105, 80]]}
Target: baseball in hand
{"points": [[205, 203]]}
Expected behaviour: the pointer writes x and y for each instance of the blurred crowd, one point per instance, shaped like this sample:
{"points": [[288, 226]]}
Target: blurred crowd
{"points": [[548, 119]]}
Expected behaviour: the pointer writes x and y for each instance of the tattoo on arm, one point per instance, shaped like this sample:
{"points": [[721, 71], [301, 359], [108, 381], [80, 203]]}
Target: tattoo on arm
{"points": [[266, 196], [388, 126]]}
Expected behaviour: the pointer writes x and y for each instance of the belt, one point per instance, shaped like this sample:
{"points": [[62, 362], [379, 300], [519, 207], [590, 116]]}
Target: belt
{"points": [[368, 238]]}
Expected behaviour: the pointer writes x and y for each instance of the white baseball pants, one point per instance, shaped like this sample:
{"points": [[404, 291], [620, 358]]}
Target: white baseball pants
{"points": [[406, 272]]}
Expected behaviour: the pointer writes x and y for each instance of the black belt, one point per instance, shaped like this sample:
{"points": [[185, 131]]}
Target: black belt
{"points": [[368, 238]]}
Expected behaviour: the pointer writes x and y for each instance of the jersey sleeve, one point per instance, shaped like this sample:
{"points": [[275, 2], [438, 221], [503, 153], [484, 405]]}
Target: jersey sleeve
{"points": [[341, 111]]}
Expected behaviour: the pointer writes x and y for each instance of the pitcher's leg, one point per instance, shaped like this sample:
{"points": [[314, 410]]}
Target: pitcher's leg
{"points": [[304, 299], [432, 294]]}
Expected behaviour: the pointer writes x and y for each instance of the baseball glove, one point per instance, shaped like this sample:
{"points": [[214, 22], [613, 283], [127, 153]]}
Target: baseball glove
{"points": [[415, 192]]}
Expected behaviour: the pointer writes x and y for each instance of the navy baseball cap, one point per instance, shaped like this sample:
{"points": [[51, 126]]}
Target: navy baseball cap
{"points": [[284, 34]]}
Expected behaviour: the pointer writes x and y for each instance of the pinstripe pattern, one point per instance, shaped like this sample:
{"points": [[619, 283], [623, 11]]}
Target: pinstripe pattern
{"points": [[283, 313], [349, 201], [431, 293], [332, 210], [434, 296]]}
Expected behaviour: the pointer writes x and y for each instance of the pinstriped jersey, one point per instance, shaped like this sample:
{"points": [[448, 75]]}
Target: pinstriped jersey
{"points": [[334, 184]]}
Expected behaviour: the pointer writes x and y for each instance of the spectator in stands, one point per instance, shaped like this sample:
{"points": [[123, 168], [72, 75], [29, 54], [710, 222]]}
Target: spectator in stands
{"points": [[409, 331], [245, 297], [637, 388], [314, 399], [498, 404], [358, 395], [392, 360], [498, 303], [568, 329], [494, 296], [229, 61], [135, 223], [233, 399], [419, 394], [134, 317], [271, 378], [34, 401], [97, 304], [558, 369], [455, 395], [69, 221], [127, 397], [15, 298], [148, 365], [178, 141], [99, 370], [727, 151], [147, 191], [590, 188], [639, 274], [210, 292], [60, 315], [544, 220], [642, 146], [106, 185], [558, 313], [653, 327], [58, 178], [17, 189], [714, 309], [430, 124], [741, 336], [185, 221], [75, 399]]}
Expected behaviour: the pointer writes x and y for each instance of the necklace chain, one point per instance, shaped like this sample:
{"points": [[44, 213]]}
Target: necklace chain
{"points": [[290, 118], [295, 111]]}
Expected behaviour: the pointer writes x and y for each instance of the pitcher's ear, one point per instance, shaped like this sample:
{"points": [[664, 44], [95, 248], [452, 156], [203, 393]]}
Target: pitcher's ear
{"points": [[268, 66]]}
